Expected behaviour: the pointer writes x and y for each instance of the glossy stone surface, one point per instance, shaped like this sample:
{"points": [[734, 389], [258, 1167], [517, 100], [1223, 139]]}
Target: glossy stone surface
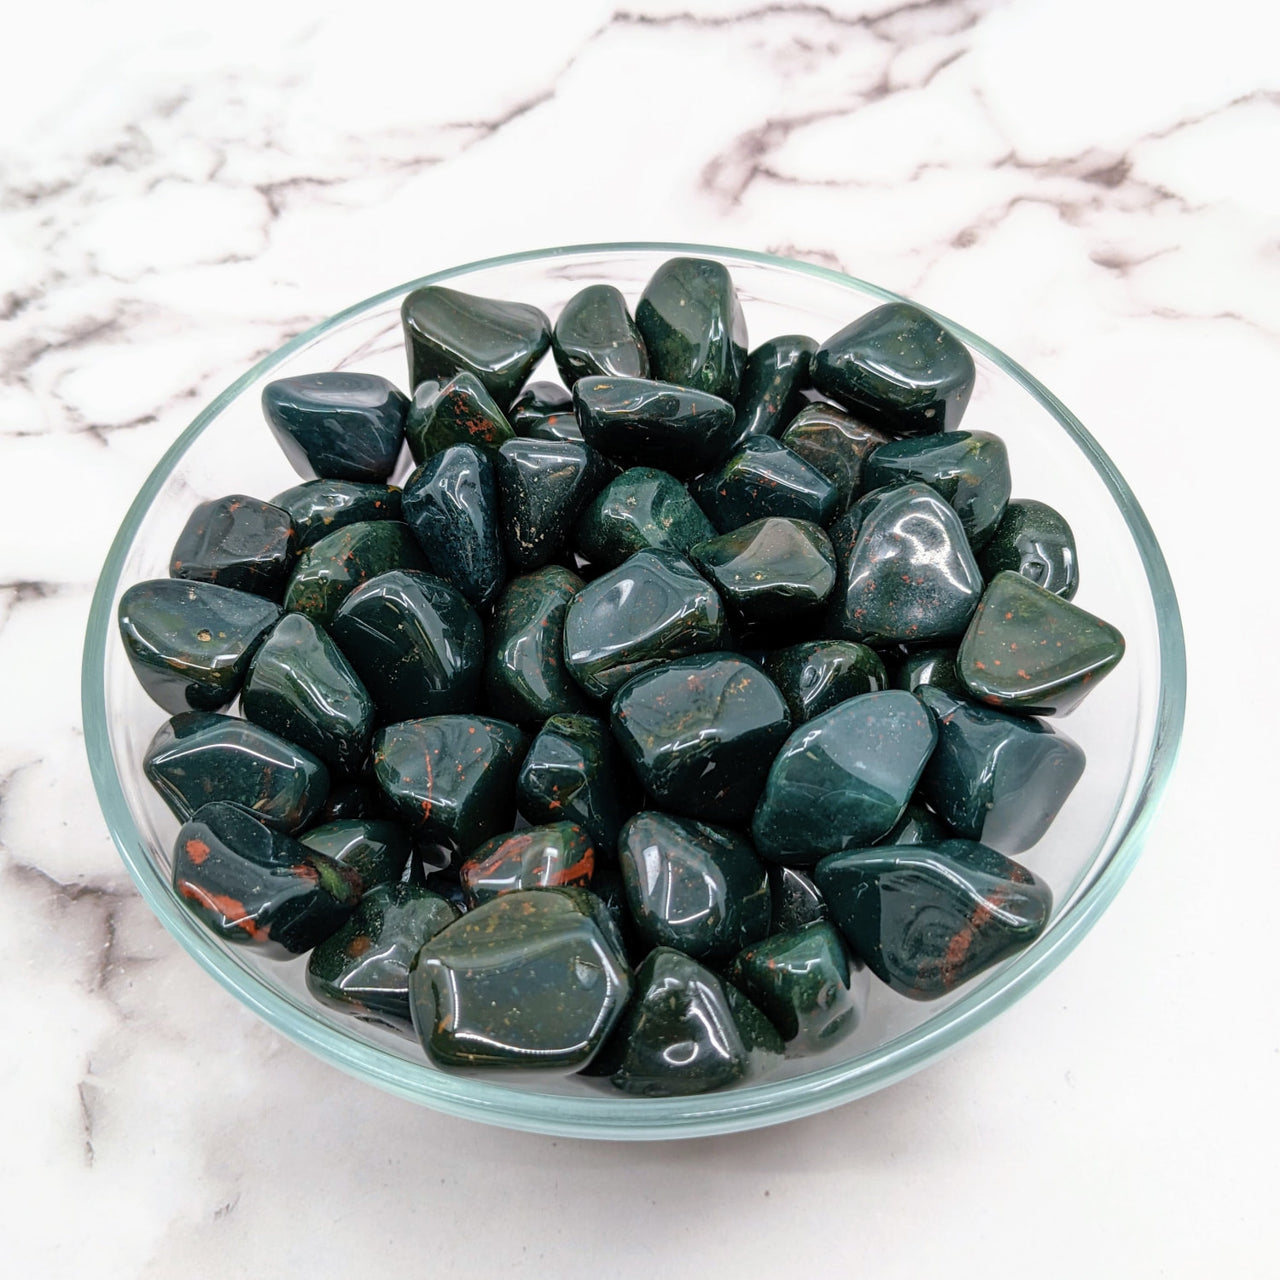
{"points": [[459, 411], [417, 645], [259, 887], [596, 337], [198, 757], [642, 507], [899, 369], [651, 609], [451, 778], [1034, 540], [190, 643], [350, 798], [636, 423], [330, 570], [926, 918], [760, 478], [319, 507], [916, 669], [376, 849], [340, 426], [820, 674], [363, 969], [693, 327], [700, 734], [918, 824], [1030, 651], [797, 901], [301, 687], [532, 979], [447, 332], [544, 410], [237, 542], [558, 854], [773, 381], [451, 504], [544, 486], [525, 675], [843, 778], [835, 443]]}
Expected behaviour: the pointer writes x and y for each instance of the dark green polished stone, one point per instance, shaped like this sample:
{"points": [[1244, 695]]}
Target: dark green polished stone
{"points": [[899, 369], [525, 675], [300, 686], [994, 777], [448, 332], [451, 778], [544, 410], [837, 444], [558, 854], [796, 899], [773, 382], [1028, 650], [190, 643], [916, 669], [544, 486], [198, 757], [693, 327], [844, 777], [459, 411], [640, 508], [451, 504], [926, 918], [596, 337], [363, 969], [253, 885], [330, 570], [237, 542], [760, 478], [375, 848], [415, 642], [636, 423], [647, 611], [341, 426], [318, 507], [532, 979], [693, 886], [701, 732], [1034, 540], [820, 674], [350, 798], [918, 824]]}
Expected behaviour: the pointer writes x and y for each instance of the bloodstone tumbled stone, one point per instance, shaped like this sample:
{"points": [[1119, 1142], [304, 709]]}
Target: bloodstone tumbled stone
{"points": [[256, 886], [350, 798], [651, 609], [773, 381], [237, 542], [1030, 651], [918, 825], [190, 643], [460, 411], [796, 899], [760, 478], [926, 918], [340, 426], [899, 369], [377, 849], [837, 444], [560, 853], [544, 410], [318, 507], [197, 757], [916, 669], [544, 486], [843, 778], [530, 979], [640, 508], [820, 674], [1034, 540], [596, 337]]}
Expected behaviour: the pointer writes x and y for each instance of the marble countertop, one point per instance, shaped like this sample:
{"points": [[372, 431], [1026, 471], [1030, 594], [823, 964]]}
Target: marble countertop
{"points": [[1089, 183]]}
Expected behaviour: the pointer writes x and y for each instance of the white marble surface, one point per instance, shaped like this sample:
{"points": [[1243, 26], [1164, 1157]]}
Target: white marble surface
{"points": [[1092, 184]]}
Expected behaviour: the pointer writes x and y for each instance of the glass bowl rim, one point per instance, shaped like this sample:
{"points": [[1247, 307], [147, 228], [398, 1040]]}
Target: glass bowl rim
{"points": [[632, 1118]]}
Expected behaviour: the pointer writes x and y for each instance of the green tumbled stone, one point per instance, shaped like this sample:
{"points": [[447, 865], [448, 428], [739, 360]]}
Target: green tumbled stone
{"points": [[837, 444], [375, 848], [544, 411], [596, 337], [843, 778], [460, 411], [820, 674], [197, 758], [917, 669], [760, 478], [918, 825], [357, 798], [1034, 540], [899, 369], [1030, 651], [237, 542], [640, 508], [926, 918], [544, 486], [552, 856], [773, 382], [796, 899], [319, 507]]}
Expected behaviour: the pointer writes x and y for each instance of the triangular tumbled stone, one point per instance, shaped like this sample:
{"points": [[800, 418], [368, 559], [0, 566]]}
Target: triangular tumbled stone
{"points": [[460, 411], [543, 486], [596, 337]]}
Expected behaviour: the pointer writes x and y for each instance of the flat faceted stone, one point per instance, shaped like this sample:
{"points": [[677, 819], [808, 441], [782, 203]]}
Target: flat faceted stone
{"points": [[797, 901], [459, 411], [319, 507], [544, 411], [451, 504], [918, 824], [415, 642], [363, 969], [928, 917], [693, 327], [596, 337], [451, 778], [1030, 651], [760, 478], [1034, 540], [820, 674], [340, 426], [560, 853], [642, 507], [835, 443], [693, 886], [532, 979], [328, 571], [651, 609], [374, 847], [773, 382], [237, 542], [899, 369], [525, 675], [448, 332], [198, 757], [259, 887], [916, 669], [301, 687], [843, 778], [544, 486], [190, 643], [638, 423]]}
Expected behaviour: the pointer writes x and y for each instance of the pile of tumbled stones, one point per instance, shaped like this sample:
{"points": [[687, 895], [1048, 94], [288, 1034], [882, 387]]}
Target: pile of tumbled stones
{"points": [[654, 713]]}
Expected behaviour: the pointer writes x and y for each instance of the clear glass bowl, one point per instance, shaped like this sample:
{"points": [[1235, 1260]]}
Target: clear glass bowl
{"points": [[1129, 729]]}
